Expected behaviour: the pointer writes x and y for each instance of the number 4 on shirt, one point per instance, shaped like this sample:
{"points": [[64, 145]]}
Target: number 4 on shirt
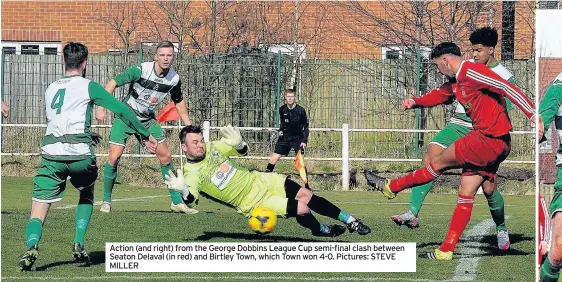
{"points": [[58, 100]]}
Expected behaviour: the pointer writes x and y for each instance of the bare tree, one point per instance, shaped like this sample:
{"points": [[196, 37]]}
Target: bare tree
{"points": [[121, 17]]}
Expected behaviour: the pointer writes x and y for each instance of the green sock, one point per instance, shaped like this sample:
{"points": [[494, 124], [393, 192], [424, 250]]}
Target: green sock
{"points": [[83, 215], [345, 217], [33, 231], [549, 273], [417, 196], [109, 176], [175, 195], [496, 205]]}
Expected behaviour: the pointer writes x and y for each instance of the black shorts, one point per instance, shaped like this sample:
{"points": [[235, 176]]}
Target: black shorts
{"points": [[284, 146]]}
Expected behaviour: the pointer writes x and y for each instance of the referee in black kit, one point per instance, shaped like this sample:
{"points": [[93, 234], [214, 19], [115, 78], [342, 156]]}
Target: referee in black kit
{"points": [[293, 133]]}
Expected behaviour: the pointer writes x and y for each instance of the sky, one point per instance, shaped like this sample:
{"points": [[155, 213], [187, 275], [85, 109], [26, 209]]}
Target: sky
{"points": [[549, 33]]}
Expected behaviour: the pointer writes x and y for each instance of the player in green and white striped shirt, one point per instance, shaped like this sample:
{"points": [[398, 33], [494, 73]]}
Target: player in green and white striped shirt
{"points": [[66, 150], [150, 83], [483, 42], [551, 110]]}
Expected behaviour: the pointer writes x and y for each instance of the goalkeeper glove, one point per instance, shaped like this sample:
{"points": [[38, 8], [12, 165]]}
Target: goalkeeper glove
{"points": [[177, 183], [231, 136]]}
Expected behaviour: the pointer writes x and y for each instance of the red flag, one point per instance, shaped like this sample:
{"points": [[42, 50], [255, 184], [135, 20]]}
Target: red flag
{"points": [[168, 113], [301, 168]]}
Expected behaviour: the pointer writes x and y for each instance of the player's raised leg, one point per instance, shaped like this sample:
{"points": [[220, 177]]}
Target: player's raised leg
{"points": [[410, 217], [166, 165], [496, 205], [390, 187], [461, 217], [110, 172]]}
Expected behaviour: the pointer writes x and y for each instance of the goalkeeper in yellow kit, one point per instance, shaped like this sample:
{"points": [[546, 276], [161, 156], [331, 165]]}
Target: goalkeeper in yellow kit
{"points": [[209, 170]]}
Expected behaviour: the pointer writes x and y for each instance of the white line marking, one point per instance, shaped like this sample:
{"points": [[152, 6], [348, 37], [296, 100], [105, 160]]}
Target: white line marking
{"points": [[98, 203], [471, 249], [228, 278]]}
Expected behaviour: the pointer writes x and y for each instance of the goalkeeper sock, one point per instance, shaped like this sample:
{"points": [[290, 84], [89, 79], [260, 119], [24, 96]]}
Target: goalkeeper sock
{"points": [[109, 176], [549, 273], [418, 177], [270, 167], [33, 231], [323, 207], [84, 213], [309, 221], [345, 217], [175, 195], [496, 205], [324, 228], [460, 219], [418, 196]]}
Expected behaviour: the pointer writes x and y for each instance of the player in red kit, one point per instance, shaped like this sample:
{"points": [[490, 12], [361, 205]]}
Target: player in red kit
{"points": [[479, 153]]}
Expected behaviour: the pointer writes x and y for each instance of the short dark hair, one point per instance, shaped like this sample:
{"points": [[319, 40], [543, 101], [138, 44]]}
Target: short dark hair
{"points": [[189, 129], [445, 48], [487, 36], [75, 54], [164, 44]]}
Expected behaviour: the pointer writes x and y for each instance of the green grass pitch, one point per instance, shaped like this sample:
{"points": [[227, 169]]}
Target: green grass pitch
{"points": [[143, 216]]}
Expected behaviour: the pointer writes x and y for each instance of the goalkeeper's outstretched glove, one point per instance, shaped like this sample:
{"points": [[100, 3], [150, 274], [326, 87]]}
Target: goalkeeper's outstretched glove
{"points": [[231, 136], [176, 182]]}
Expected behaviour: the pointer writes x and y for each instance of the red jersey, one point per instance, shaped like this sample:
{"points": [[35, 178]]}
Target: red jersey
{"points": [[480, 90]]}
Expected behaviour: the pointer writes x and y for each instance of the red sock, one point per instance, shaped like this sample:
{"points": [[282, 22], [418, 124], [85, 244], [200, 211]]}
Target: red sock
{"points": [[461, 217], [418, 177]]}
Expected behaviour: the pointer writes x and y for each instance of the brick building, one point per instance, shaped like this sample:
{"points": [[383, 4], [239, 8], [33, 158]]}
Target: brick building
{"points": [[325, 28]]}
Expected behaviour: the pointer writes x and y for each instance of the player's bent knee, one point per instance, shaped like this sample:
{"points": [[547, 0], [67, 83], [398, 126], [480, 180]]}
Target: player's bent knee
{"points": [[165, 158], [302, 208], [304, 195]]}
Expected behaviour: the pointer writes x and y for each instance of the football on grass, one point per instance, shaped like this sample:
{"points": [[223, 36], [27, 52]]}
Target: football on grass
{"points": [[262, 220]]}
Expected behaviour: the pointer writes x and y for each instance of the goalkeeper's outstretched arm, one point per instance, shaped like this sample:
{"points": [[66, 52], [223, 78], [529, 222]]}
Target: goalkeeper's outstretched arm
{"points": [[235, 145], [176, 181]]}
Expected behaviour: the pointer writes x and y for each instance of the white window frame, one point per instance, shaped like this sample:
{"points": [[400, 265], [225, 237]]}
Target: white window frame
{"points": [[42, 45], [286, 49], [426, 51]]}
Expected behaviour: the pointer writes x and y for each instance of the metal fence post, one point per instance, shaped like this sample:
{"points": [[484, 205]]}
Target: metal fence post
{"points": [[278, 94], [2, 83], [418, 87], [207, 131], [345, 157]]}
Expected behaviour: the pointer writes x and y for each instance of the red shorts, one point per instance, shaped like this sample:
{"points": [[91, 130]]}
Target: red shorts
{"points": [[479, 154]]}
